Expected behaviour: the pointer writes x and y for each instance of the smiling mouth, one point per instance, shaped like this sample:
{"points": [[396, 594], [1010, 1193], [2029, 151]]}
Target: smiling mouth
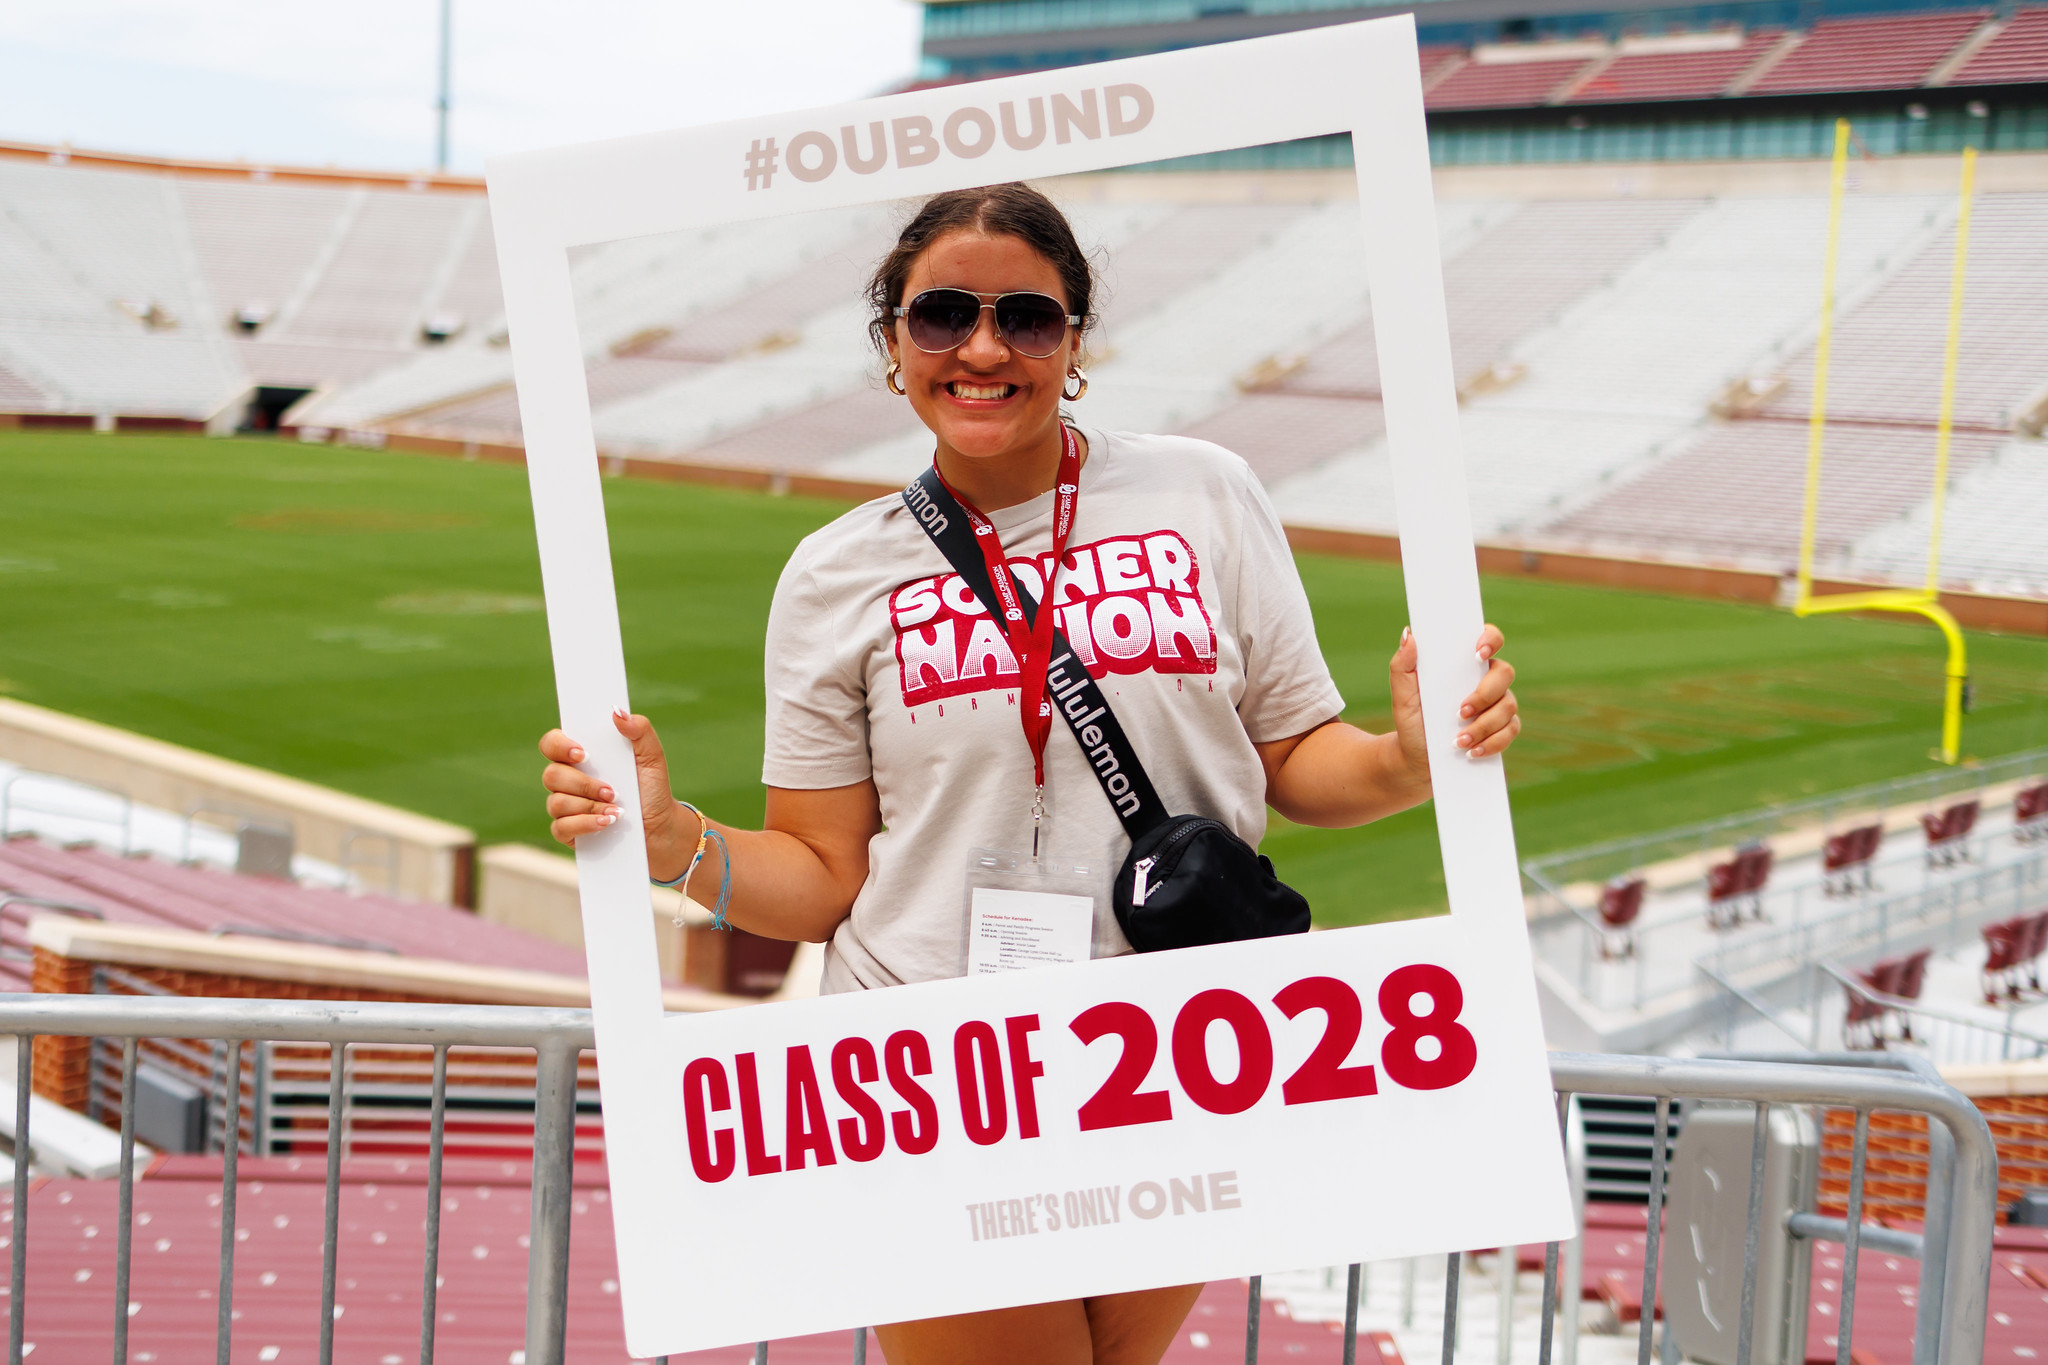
{"points": [[959, 389]]}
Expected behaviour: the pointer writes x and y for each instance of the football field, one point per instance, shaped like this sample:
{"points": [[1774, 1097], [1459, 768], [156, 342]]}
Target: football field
{"points": [[373, 621]]}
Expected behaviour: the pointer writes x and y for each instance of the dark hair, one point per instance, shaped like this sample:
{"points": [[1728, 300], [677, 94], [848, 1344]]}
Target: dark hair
{"points": [[1012, 210]]}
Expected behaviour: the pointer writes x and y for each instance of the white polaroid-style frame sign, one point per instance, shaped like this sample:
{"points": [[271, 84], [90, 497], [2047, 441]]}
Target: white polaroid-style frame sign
{"points": [[956, 1145]]}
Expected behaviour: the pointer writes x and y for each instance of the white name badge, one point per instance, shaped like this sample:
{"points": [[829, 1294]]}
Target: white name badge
{"points": [[1008, 931]]}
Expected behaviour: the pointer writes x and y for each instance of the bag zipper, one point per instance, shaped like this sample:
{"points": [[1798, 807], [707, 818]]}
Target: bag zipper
{"points": [[1142, 869]]}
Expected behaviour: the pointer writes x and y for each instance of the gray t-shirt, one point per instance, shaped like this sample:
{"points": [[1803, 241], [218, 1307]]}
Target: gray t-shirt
{"points": [[1179, 593]]}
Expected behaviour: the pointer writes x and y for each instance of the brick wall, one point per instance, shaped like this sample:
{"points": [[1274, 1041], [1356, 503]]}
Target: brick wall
{"points": [[62, 1066], [1895, 1169]]}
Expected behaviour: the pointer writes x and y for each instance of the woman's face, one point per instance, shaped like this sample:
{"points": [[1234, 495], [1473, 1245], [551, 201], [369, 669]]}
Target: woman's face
{"points": [[983, 400]]}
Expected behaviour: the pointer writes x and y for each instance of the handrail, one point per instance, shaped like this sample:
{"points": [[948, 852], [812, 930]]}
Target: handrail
{"points": [[1882, 910], [1755, 1002], [45, 903], [1941, 1188], [558, 1034], [8, 804], [1974, 1202], [297, 1021], [1557, 894]]}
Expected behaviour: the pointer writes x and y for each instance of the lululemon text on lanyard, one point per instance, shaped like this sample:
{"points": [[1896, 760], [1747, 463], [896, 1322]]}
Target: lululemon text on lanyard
{"points": [[1031, 641]]}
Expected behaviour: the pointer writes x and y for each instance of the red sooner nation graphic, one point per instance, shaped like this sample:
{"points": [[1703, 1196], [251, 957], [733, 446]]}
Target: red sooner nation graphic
{"points": [[1129, 604]]}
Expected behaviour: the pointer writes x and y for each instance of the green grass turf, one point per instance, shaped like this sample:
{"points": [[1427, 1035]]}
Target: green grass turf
{"points": [[371, 621]]}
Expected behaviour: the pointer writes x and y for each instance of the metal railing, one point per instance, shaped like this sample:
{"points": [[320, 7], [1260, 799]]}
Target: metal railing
{"points": [[76, 802], [1598, 862], [1943, 912], [1945, 908], [1955, 1248]]}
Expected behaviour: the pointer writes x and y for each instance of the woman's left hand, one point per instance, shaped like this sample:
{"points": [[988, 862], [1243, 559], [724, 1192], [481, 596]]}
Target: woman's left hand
{"points": [[1337, 776], [1488, 716]]}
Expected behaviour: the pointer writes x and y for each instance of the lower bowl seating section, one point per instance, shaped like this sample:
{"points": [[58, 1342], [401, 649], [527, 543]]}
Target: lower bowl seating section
{"points": [[38, 878]]}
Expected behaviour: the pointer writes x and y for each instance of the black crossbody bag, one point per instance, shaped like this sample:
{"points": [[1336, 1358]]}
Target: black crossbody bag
{"points": [[1188, 880]]}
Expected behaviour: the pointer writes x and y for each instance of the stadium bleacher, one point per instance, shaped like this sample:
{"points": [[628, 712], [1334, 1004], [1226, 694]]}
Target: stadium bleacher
{"points": [[153, 892], [1593, 335], [1509, 77], [1734, 496], [1736, 485], [1693, 66], [1877, 53], [2018, 52], [1594, 326], [1887, 360]]}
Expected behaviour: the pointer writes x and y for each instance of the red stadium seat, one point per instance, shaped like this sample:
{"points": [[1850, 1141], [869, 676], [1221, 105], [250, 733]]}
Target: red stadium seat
{"points": [[1913, 975], [1724, 884], [1738, 884], [1896, 978], [1621, 900], [1756, 870], [1863, 1019], [2033, 946], [2004, 950], [1948, 832], [2030, 813], [1847, 856]]}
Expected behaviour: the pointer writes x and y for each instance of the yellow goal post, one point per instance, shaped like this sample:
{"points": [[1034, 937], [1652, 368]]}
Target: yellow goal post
{"points": [[1923, 601]]}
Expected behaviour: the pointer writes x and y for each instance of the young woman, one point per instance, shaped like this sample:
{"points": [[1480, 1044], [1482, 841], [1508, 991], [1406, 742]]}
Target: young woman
{"points": [[894, 738]]}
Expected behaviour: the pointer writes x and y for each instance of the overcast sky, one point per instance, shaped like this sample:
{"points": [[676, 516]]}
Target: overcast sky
{"points": [[352, 84]]}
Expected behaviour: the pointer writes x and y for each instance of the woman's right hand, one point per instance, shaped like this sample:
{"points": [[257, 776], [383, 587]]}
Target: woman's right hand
{"points": [[579, 804]]}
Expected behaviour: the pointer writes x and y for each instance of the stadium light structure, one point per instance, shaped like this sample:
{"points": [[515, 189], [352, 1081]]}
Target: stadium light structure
{"points": [[441, 100], [1924, 601]]}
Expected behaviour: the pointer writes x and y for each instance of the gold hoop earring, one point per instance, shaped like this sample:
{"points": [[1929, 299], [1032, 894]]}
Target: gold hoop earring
{"points": [[1078, 394], [889, 380]]}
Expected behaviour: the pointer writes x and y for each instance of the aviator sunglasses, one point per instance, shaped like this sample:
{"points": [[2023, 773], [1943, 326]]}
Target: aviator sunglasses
{"points": [[1029, 324]]}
